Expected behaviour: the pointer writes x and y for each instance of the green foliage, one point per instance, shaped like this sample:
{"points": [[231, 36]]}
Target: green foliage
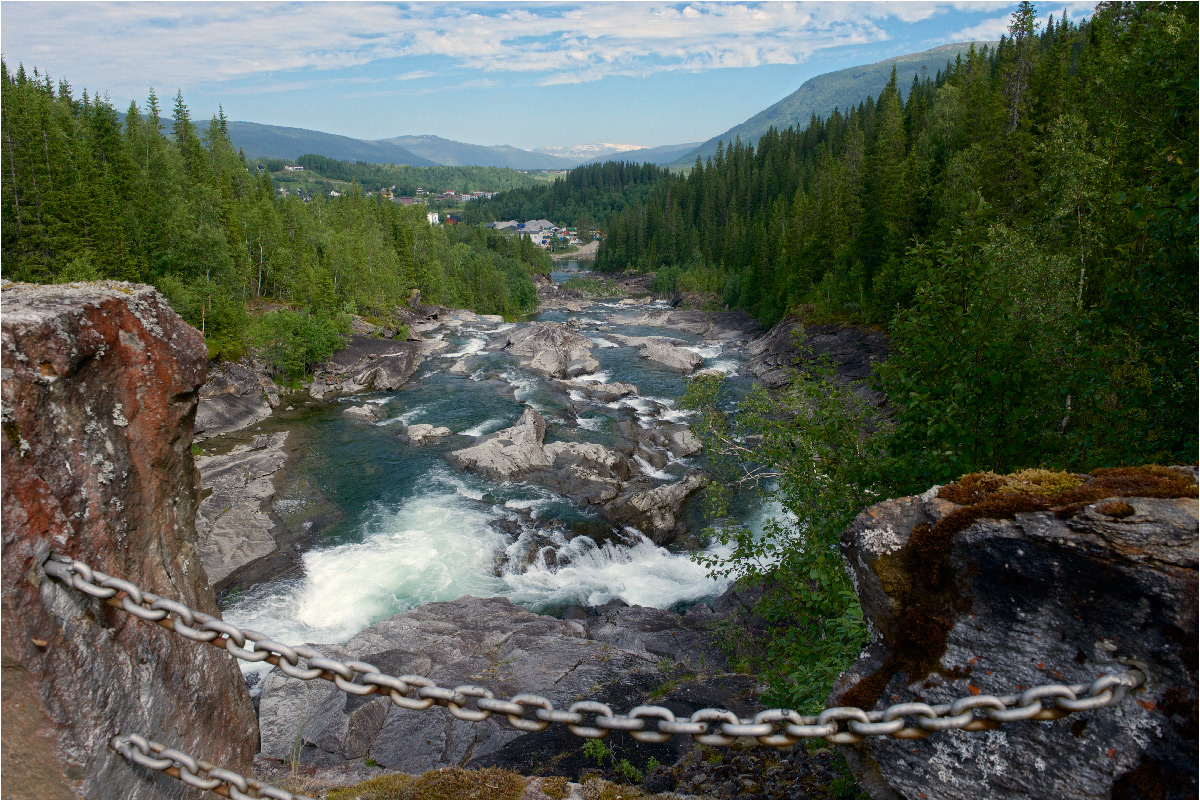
{"points": [[627, 772], [83, 199], [811, 449], [407, 179], [597, 750], [293, 342], [598, 287]]}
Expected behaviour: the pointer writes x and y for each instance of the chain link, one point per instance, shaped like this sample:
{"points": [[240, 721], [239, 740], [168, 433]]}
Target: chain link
{"points": [[775, 728], [192, 771]]}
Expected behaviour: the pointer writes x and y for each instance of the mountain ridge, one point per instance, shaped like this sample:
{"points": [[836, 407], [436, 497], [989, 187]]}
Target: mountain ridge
{"points": [[823, 93]]}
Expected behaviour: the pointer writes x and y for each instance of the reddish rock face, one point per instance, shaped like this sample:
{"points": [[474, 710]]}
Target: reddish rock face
{"points": [[99, 399]]}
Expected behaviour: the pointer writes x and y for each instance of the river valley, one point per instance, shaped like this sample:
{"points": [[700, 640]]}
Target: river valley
{"points": [[400, 525]]}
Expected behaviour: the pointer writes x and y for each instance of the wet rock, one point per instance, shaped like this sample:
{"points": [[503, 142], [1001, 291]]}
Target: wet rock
{"points": [[508, 453], [367, 412], [714, 326], [960, 605], [235, 396], [665, 351], [369, 363], [654, 511], [233, 523], [99, 391], [601, 393], [585, 472], [423, 433], [684, 442], [553, 350]]}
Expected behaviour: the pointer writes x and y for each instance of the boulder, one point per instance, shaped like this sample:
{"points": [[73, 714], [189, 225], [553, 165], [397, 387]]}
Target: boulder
{"points": [[422, 433], [492, 643], [233, 523], [985, 587], [509, 453], [684, 442], [366, 413], [235, 396], [732, 326], [553, 350], [369, 363], [586, 472], [601, 393], [665, 351], [655, 510], [99, 388]]}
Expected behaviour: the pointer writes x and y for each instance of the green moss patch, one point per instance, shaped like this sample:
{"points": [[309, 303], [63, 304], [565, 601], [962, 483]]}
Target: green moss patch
{"points": [[444, 783], [928, 602]]}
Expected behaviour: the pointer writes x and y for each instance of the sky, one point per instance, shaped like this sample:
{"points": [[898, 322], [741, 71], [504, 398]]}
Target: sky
{"points": [[541, 74]]}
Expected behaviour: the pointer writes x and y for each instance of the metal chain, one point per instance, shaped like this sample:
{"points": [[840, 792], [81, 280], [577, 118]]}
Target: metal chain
{"points": [[648, 724], [192, 771]]}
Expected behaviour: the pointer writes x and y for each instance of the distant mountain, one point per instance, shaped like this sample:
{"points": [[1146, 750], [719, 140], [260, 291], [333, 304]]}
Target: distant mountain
{"points": [[449, 153], [663, 154], [277, 142], [822, 94], [587, 153]]}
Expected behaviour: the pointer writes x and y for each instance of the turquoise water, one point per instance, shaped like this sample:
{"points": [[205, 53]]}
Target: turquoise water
{"points": [[418, 530]]}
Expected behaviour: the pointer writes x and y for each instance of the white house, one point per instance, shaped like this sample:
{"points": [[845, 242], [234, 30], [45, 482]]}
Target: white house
{"points": [[433, 218]]}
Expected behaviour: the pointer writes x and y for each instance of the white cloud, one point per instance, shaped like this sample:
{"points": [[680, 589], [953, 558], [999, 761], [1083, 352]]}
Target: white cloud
{"points": [[986, 31], [124, 47]]}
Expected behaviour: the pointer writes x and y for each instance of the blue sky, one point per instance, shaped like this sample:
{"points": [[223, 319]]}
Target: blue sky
{"points": [[524, 74]]}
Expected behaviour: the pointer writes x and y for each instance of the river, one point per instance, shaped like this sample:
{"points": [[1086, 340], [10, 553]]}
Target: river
{"points": [[417, 530]]}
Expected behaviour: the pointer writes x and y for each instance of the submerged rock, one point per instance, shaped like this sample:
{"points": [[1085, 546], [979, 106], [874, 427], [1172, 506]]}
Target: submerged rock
{"points": [[961, 603]]}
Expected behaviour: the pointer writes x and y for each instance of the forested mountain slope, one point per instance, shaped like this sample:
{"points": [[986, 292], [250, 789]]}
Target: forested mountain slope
{"points": [[1024, 226], [842, 89], [84, 197]]}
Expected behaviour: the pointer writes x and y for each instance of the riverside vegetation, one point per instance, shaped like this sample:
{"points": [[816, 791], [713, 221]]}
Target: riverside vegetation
{"points": [[1023, 224], [86, 198]]}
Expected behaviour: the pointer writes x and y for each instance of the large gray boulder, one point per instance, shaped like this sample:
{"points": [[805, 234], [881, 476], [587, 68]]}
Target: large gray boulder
{"points": [[235, 396], [621, 655], [586, 472], [655, 510], [99, 399], [668, 352], [552, 350], [233, 522], [370, 363], [970, 591]]}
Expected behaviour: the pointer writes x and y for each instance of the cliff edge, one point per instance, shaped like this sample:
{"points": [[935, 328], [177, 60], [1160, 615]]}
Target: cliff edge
{"points": [[99, 398]]}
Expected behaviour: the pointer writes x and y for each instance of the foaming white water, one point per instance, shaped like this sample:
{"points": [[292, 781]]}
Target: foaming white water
{"points": [[486, 427], [726, 366], [434, 547], [523, 385], [601, 342], [652, 471], [704, 351], [474, 345], [642, 574], [665, 410], [598, 377], [591, 423]]}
